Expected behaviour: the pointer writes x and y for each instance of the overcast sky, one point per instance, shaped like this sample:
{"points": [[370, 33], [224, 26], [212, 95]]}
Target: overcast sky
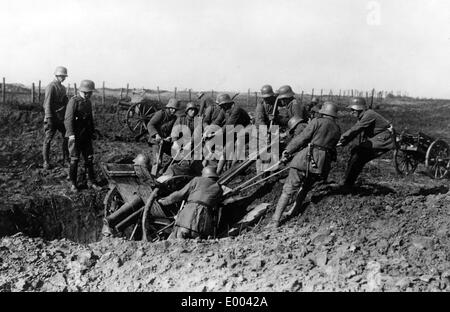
{"points": [[231, 45]]}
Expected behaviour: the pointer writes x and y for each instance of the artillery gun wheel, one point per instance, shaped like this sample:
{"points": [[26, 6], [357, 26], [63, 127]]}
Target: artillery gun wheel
{"points": [[437, 159], [405, 162], [138, 115]]}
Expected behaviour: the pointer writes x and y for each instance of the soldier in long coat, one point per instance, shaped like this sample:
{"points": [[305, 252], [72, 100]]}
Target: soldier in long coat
{"points": [[376, 139], [80, 131], [55, 103], [198, 216], [314, 150]]}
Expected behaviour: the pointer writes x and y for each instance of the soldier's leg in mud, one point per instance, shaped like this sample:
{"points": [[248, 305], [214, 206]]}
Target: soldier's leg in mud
{"points": [[292, 184], [74, 153], [65, 145], [88, 156], [360, 155], [305, 187], [49, 131]]}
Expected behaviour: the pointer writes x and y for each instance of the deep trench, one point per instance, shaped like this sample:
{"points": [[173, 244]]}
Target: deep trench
{"points": [[77, 218]]}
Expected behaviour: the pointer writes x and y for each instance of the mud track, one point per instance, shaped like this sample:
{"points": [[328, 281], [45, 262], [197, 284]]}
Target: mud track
{"points": [[391, 234]]}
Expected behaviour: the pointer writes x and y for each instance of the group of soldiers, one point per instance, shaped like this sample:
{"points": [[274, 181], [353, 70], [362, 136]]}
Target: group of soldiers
{"points": [[312, 129]]}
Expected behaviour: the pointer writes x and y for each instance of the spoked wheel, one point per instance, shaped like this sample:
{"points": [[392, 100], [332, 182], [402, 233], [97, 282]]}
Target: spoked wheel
{"points": [[121, 113], [138, 115], [405, 162], [437, 159]]}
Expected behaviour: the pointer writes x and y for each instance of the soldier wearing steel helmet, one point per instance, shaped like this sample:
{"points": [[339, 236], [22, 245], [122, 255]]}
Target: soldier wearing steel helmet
{"points": [[289, 106], [376, 139], [313, 152], [80, 130], [55, 103], [197, 217], [160, 128], [234, 116], [264, 113], [185, 129]]}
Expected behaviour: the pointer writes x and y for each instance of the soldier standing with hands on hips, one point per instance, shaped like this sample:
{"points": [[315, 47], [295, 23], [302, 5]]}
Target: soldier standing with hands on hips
{"points": [[80, 130]]}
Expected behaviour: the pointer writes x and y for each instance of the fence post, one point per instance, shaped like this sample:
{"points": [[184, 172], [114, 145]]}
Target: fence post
{"points": [[103, 93], [75, 91], [32, 93], [301, 98], [128, 88], [321, 95], [248, 98], [371, 100], [39, 92], [159, 96], [352, 92], [121, 92], [312, 94], [175, 92], [256, 98], [4, 91], [212, 93]]}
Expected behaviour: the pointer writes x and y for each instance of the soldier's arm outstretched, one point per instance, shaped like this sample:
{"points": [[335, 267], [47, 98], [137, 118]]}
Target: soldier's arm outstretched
{"points": [[365, 122]]}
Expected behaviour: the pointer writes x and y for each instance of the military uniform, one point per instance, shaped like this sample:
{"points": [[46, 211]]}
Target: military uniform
{"points": [[55, 103], [79, 122], [161, 123], [294, 108], [263, 111], [196, 219], [236, 116], [317, 145], [214, 115], [376, 140]]}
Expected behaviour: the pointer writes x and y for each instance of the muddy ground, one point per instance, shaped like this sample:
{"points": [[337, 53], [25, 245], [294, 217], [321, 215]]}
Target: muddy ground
{"points": [[391, 234]]}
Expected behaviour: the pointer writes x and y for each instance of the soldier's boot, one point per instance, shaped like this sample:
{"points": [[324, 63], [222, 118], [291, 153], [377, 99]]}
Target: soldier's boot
{"points": [[91, 183], [73, 171], [46, 155], [65, 150], [281, 206]]}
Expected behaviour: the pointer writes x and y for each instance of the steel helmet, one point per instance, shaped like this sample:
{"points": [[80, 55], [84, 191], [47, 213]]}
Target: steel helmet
{"points": [[191, 105], [358, 103], [173, 103], [61, 71], [224, 99], [315, 100], [87, 86], [329, 108], [141, 160], [285, 92], [209, 172], [293, 122], [267, 91]]}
